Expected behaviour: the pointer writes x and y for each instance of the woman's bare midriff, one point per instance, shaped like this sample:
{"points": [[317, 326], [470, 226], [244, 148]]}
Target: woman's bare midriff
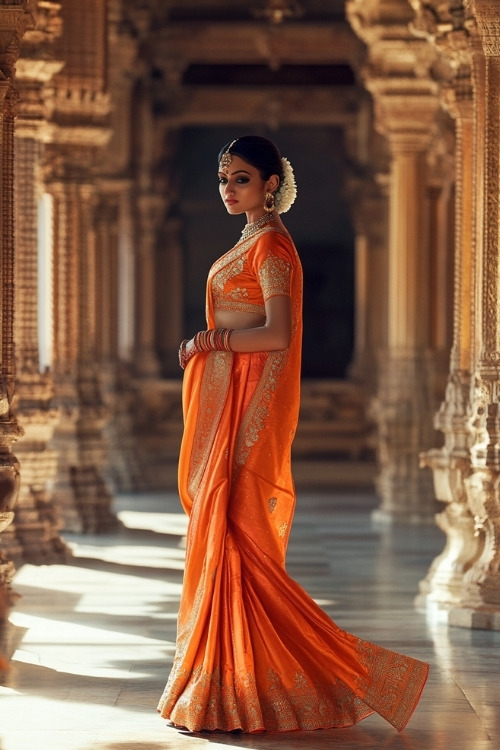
{"points": [[238, 320]]}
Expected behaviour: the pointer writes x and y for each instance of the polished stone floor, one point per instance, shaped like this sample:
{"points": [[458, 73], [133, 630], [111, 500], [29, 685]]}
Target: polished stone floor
{"points": [[96, 637]]}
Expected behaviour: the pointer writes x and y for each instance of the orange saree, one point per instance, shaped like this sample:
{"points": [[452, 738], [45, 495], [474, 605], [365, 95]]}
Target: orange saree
{"points": [[254, 651]]}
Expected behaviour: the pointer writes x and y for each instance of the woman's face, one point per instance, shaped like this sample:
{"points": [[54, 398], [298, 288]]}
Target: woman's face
{"points": [[243, 190]]}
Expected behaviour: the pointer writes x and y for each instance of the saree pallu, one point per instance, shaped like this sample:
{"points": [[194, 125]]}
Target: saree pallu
{"points": [[254, 651]]}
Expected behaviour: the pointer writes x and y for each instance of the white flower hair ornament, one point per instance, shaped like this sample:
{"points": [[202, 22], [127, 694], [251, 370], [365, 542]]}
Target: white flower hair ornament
{"points": [[287, 191]]}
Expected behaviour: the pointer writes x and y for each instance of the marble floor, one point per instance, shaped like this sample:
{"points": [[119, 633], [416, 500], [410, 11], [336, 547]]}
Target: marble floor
{"points": [[96, 637]]}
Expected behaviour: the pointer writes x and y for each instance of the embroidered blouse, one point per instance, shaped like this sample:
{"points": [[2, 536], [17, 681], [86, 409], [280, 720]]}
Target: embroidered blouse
{"points": [[254, 270]]}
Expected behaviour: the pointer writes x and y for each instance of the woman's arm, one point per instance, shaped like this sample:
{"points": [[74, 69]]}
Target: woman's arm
{"points": [[274, 335]]}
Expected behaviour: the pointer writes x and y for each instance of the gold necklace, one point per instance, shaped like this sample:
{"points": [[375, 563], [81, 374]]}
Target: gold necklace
{"points": [[254, 226]]}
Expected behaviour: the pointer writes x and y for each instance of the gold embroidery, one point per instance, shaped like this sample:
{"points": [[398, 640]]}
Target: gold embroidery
{"points": [[271, 504], [231, 256], [274, 277], [241, 248], [207, 702], [282, 530], [225, 303], [219, 279], [216, 378], [392, 684], [258, 409]]}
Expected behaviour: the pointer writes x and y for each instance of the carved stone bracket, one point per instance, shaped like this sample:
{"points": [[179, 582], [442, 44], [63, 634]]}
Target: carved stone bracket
{"points": [[15, 19]]}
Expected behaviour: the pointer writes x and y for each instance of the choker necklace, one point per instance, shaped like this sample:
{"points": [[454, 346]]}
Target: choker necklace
{"points": [[254, 226]]}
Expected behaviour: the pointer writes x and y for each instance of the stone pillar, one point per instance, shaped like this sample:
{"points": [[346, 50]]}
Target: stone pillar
{"points": [[81, 491], [405, 97], [169, 283], [454, 578], [81, 130], [479, 604], [150, 209], [451, 463], [37, 522], [368, 201], [151, 205], [15, 18]]}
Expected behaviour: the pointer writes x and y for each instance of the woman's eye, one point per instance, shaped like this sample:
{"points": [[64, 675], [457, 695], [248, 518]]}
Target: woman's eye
{"points": [[242, 180], [222, 180]]}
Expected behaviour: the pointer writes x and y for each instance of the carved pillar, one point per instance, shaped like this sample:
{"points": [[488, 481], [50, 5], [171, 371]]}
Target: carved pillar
{"points": [[369, 208], [15, 18], [464, 577], [150, 209], [479, 604], [81, 492], [405, 97], [81, 112], [37, 522], [158, 264], [441, 198], [451, 463]]}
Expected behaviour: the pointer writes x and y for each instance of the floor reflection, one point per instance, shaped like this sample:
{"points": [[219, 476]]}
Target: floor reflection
{"points": [[98, 635]]}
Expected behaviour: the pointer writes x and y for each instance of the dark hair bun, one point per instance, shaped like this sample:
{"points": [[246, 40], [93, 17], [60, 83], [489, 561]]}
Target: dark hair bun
{"points": [[260, 152]]}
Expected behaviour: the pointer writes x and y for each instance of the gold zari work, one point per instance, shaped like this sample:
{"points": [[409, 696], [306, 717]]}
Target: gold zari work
{"points": [[254, 651]]}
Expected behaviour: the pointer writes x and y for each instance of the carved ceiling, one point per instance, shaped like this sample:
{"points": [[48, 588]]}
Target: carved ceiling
{"points": [[298, 57]]}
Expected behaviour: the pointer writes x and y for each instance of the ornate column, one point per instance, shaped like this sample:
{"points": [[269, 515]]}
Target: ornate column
{"points": [[405, 97], [81, 111], [152, 206], [37, 522], [81, 491], [441, 200], [479, 604], [15, 18], [369, 208], [451, 464]]}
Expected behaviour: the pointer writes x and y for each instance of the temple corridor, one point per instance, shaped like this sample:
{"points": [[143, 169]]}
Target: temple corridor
{"points": [[95, 637]]}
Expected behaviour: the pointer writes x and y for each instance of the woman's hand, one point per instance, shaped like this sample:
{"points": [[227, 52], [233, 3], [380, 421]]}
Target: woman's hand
{"points": [[187, 350]]}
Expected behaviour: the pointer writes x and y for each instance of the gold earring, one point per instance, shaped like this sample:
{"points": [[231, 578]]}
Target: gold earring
{"points": [[269, 203]]}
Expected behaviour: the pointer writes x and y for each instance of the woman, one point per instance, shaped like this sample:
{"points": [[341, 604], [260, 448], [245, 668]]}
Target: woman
{"points": [[254, 652]]}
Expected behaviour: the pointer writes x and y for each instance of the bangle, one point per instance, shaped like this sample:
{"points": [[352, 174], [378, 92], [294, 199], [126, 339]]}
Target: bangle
{"points": [[215, 339]]}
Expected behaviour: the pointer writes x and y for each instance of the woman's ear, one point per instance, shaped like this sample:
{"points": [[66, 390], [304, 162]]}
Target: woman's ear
{"points": [[273, 183]]}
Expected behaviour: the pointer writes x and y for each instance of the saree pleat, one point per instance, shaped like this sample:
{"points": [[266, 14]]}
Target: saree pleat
{"points": [[254, 651]]}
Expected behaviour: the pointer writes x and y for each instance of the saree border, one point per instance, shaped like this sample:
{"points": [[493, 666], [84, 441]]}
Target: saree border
{"points": [[258, 409], [214, 387]]}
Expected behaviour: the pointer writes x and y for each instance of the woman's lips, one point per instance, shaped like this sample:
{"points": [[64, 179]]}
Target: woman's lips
{"points": [[231, 202]]}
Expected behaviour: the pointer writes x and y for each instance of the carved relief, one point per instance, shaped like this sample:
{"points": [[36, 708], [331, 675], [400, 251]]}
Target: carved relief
{"points": [[466, 469], [14, 20], [398, 74]]}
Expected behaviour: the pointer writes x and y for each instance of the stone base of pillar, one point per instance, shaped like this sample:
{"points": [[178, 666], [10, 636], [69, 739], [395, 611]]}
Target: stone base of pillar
{"points": [[403, 411], [474, 619], [37, 521], [9, 634], [93, 501], [12, 547], [37, 529], [81, 494], [444, 583], [398, 499]]}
